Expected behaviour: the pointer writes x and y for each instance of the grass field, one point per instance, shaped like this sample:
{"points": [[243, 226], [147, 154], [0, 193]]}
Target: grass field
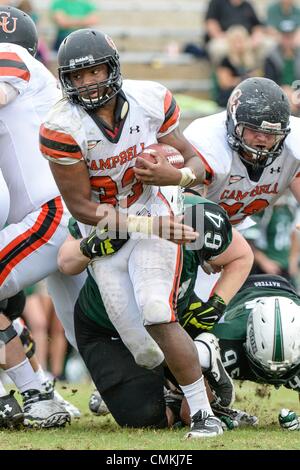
{"points": [[91, 432]]}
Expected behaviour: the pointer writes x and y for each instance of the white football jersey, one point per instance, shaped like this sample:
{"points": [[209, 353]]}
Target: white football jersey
{"points": [[27, 174], [70, 134], [230, 185], [4, 201]]}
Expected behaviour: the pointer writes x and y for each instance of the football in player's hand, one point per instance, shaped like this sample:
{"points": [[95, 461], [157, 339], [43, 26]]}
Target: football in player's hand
{"points": [[167, 151]]}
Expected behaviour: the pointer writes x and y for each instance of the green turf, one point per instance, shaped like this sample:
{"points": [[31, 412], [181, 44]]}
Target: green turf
{"points": [[102, 432]]}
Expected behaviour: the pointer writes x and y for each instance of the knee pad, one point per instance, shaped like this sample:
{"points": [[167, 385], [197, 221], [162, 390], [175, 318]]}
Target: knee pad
{"points": [[155, 311], [8, 334], [15, 306], [26, 338]]}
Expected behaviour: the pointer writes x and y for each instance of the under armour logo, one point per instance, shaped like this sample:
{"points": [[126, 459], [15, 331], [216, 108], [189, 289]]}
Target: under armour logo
{"points": [[275, 170], [6, 410], [134, 129]]}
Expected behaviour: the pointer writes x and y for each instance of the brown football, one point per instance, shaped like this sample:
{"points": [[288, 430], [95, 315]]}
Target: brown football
{"points": [[170, 153]]}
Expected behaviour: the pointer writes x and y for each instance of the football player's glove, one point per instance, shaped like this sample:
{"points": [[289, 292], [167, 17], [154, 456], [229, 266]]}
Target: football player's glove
{"points": [[93, 246], [289, 420], [202, 315]]}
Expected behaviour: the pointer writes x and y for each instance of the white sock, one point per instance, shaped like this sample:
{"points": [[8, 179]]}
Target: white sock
{"points": [[40, 374], [203, 354], [196, 396], [24, 376], [3, 392]]}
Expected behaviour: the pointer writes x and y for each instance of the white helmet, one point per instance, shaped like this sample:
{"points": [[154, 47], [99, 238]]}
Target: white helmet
{"points": [[273, 339]]}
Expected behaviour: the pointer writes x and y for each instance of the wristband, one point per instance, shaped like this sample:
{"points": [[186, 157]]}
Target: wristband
{"points": [[142, 224], [216, 301], [187, 177]]}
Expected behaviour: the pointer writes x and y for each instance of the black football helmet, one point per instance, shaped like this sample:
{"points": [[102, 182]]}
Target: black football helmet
{"points": [[260, 104], [86, 48], [17, 27]]}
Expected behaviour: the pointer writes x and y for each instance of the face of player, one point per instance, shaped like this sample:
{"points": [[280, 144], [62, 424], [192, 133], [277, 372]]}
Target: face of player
{"points": [[261, 141], [89, 76]]}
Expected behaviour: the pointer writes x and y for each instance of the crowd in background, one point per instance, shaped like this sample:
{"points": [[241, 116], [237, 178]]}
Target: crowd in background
{"points": [[238, 44]]}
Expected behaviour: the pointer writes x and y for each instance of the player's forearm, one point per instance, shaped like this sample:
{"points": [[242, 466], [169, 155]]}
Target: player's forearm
{"points": [[232, 278], [92, 213], [197, 167], [70, 259]]}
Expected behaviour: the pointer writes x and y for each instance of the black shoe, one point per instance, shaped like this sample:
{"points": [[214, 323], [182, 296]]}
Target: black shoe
{"points": [[217, 377], [204, 425], [233, 418], [11, 414]]}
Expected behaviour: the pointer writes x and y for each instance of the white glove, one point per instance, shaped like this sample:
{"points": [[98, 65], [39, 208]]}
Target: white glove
{"points": [[289, 420]]}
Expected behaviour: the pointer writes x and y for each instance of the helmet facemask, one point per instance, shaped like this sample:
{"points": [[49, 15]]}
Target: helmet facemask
{"points": [[259, 157], [104, 91]]}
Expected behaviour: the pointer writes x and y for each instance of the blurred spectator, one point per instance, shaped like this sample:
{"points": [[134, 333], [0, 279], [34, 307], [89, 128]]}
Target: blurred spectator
{"points": [[283, 63], [222, 14], [46, 329], [274, 239], [281, 11], [69, 15], [239, 63]]}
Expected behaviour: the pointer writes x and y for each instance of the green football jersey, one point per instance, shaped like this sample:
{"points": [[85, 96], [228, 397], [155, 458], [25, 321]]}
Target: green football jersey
{"points": [[216, 235], [232, 327]]}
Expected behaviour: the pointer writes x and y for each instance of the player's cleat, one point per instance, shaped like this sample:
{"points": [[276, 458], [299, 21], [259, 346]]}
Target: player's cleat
{"points": [[204, 425], [289, 420], [216, 375], [42, 411], [233, 418], [49, 387], [11, 414], [97, 405], [173, 400]]}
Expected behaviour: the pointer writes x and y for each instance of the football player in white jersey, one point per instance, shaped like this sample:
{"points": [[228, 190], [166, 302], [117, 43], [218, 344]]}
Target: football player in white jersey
{"points": [[5, 201], [37, 220], [251, 153], [91, 139]]}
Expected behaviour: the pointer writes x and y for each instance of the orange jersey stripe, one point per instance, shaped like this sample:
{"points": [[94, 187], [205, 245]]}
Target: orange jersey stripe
{"points": [[168, 101], [15, 72], [24, 236], [57, 136], [10, 56], [165, 201], [171, 121], [175, 288]]}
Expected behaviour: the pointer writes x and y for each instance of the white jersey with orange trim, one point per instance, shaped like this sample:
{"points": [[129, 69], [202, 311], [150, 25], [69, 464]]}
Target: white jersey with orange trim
{"points": [[4, 201], [147, 111], [70, 135], [37, 221], [230, 185], [27, 174]]}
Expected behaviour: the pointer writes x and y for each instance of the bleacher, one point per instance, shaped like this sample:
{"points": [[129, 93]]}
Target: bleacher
{"points": [[150, 36]]}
